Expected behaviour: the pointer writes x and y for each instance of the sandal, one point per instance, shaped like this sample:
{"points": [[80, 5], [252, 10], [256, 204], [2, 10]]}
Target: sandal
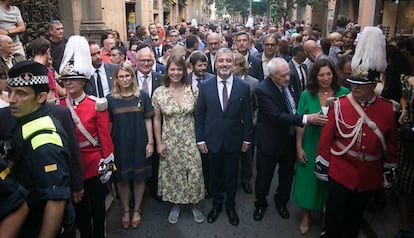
{"points": [[136, 219], [125, 221]]}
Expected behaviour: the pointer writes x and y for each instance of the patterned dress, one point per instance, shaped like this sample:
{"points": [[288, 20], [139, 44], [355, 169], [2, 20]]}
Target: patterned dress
{"points": [[129, 135], [180, 178], [308, 191]]}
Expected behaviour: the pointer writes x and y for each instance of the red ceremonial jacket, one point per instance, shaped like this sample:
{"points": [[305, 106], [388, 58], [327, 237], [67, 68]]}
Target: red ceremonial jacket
{"points": [[348, 169], [97, 124]]}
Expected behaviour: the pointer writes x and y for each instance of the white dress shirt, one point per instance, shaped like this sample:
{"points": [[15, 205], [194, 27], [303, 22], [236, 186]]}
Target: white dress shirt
{"points": [[104, 80], [220, 85], [140, 77]]}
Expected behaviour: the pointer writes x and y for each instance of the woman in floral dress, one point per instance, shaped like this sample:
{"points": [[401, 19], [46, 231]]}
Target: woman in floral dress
{"points": [[180, 172]]}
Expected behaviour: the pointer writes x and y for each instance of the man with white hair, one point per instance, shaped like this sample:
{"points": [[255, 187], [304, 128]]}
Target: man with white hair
{"points": [[275, 136]]}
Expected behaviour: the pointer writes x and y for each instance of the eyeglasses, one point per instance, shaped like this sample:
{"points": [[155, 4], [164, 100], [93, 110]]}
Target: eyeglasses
{"points": [[174, 35], [269, 45], [125, 76]]}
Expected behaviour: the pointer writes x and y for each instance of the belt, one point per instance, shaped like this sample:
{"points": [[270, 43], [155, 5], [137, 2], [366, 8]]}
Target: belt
{"points": [[86, 143], [358, 155]]}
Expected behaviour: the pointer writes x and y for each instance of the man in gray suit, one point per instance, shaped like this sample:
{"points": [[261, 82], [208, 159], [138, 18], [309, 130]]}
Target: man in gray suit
{"points": [[100, 83], [241, 70]]}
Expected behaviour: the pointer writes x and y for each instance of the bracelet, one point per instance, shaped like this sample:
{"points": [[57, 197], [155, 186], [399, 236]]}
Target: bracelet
{"points": [[150, 143]]}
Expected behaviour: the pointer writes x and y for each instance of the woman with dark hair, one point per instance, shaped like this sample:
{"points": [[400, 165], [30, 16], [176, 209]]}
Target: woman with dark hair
{"points": [[309, 192], [131, 115], [180, 172]]}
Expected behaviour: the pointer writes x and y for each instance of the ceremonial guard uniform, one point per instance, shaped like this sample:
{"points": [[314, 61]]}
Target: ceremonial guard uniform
{"points": [[91, 120], [361, 166], [358, 143], [40, 153]]}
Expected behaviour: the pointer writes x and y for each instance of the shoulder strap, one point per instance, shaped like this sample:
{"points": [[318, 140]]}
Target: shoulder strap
{"points": [[79, 124], [368, 121]]}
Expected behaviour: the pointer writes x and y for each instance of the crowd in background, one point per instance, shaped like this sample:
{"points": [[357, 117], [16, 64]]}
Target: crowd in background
{"points": [[160, 127]]}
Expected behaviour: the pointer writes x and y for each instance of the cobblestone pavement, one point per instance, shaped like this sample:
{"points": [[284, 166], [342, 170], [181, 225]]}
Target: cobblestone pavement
{"points": [[155, 221]]}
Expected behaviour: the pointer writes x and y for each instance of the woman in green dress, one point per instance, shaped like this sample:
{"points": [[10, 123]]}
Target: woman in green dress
{"points": [[309, 192]]}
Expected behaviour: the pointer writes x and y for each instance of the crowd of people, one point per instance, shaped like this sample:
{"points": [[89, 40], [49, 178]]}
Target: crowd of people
{"points": [[186, 110]]}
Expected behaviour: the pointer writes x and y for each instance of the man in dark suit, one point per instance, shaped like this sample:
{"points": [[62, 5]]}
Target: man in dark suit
{"points": [[213, 44], [255, 64], [100, 83], [149, 80], [223, 130], [198, 62], [275, 137], [298, 71]]}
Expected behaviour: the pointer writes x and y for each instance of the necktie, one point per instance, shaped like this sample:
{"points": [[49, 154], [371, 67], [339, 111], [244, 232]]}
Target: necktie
{"points": [[158, 52], [145, 84], [286, 98], [302, 70], [99, 84], [290, 108], [225, 95]]}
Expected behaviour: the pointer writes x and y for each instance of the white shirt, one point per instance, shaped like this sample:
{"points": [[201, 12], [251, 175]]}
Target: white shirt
{"points": [[104, 80], [298, 70], [220, 85], [140, 77]]}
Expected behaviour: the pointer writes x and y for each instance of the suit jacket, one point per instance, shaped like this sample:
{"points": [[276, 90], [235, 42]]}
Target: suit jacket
{"points": [[295, 85], [274, 119], [227, 128], [255, 67], [90, 86], [207, 75], [156, 81], [160, 68]]}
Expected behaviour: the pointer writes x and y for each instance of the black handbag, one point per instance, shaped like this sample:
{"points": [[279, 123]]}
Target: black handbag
{"points": [[407, 132]]}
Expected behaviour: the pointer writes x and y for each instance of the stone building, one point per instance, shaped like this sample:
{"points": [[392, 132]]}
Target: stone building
{"points": [[91, 17]]}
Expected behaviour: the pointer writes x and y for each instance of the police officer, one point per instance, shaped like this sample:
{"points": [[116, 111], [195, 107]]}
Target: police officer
{"points": [[359, 141], [13, 208], [40, 153]]}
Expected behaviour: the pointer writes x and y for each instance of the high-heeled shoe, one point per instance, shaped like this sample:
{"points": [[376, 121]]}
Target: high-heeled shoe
{"points": [[136, 219], [304, 224], [125, 221]]}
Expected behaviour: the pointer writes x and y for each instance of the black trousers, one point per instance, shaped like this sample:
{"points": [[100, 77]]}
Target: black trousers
{"points": [[265, 165], [344, 210], [223, 168], [246, 163], [204, 163], [90, 212]]}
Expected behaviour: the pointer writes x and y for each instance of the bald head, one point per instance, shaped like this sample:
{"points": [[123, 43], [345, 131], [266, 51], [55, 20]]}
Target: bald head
{"points": [[312, 49], [213, 42], [6, 46]]}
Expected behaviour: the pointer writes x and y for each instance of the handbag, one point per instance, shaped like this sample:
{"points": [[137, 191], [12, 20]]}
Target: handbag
{"points": [[407, 132]]}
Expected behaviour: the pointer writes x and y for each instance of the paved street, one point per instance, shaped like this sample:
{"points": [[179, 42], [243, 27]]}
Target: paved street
{"points": [[155, 221]]}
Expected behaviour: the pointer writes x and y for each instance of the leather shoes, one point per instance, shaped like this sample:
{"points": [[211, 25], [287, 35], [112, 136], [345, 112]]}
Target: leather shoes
{"points": [[283, 211], [258, 213], [213, 214], [247, 188], [233, 218]]}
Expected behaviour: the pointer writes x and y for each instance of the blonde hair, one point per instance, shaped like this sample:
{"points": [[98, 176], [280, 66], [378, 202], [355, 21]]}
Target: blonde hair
{"points": [[334, 36], [116, 90]]}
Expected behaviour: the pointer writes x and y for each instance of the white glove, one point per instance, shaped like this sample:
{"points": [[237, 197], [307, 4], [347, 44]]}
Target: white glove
{"points": [[321, 168], [105, 168]]}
